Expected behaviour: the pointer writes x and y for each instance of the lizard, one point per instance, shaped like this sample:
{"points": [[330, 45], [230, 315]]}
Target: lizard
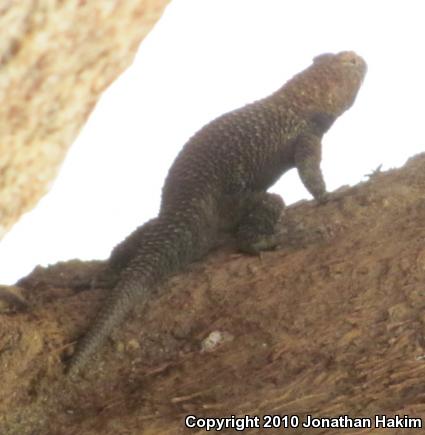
{"points": [[219, 181]]}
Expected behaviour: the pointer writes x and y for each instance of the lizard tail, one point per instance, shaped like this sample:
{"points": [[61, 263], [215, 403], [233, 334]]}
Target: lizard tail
{"points": [[113, 312], [160, 248]]}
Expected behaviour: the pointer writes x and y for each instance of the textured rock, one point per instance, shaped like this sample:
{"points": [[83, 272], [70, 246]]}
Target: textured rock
{"points": [[331, 323], [56, 57]]}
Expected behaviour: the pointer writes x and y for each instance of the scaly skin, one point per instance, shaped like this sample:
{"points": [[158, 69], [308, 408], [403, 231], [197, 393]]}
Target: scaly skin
{"points": [[219, 180]]}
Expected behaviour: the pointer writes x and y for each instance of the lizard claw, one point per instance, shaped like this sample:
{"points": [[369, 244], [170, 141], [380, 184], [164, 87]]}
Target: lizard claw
{"points": [[323, 198]]}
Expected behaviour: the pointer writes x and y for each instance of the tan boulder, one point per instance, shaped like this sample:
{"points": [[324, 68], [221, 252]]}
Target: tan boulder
{"points": [[56, 58]]}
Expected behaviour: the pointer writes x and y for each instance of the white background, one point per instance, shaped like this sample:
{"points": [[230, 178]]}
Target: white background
{"points": [[205, 57]]}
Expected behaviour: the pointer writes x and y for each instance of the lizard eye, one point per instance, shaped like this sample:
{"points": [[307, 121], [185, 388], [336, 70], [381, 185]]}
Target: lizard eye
{"points": [[354, 61], [350, 58]]}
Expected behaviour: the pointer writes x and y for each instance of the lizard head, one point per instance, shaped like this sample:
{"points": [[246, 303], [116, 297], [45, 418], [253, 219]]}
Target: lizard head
{"points": [[339, 76], [328, 86]]}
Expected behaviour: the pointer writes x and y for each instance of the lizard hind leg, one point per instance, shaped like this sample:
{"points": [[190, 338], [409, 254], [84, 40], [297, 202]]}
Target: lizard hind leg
{"points": [[259, 226]]}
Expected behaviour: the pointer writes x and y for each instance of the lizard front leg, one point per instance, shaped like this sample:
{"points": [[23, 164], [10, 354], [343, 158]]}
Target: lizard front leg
{"points": [[308, 155]]}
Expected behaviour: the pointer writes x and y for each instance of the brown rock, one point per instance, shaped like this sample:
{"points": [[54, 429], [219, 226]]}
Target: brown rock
{"points": [[329, 324]]}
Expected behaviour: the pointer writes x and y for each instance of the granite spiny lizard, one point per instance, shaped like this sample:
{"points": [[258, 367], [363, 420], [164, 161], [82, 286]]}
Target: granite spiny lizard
{"points": [[219, 180]]}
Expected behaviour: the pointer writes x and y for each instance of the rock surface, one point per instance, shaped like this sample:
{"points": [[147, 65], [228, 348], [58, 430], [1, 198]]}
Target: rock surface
{"points": [[331, 323], [56, 58]]}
